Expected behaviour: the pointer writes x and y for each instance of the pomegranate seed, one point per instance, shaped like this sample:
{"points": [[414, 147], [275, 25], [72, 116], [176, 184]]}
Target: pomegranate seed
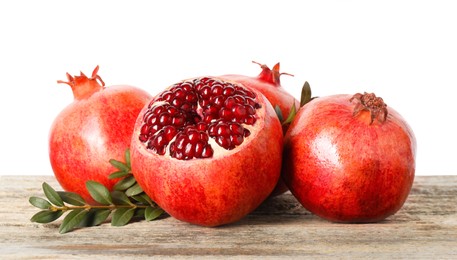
{"points": [[165, 119], [176, 102], [236, 139], [228, 91], [186, 106], [225, 113], [222, 129], [239, 111], [144, 129], [217, 89], [201, 126], [218, 101], [250, 120], [207, 151], [143, 138], [191, 98], [199, 148], [194, 136], [189, 151], [236, 129]]}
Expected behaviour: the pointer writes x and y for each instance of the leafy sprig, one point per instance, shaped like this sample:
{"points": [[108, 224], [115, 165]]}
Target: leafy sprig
{"points": [[126, 202]]}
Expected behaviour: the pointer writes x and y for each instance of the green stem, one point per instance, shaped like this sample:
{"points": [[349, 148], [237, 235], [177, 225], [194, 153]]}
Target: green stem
{"points": [[89, 207]]}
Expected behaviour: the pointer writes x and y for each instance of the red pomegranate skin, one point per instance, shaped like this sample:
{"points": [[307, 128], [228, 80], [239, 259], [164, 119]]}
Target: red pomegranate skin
{"points": [[218, 190], [96, 127], [343, 168]]}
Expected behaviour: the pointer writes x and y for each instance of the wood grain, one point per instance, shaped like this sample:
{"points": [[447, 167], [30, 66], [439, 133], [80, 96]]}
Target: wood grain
{"points": [[426, 227]]}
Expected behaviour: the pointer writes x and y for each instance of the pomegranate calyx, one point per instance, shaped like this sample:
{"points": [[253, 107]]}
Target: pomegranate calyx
{"points": [[369, 102], [271, 75], [83, 86]]}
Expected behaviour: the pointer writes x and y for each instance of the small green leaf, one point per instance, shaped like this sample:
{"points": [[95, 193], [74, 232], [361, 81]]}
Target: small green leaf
{"points": [[46, 216], [305, 94], [127, 158], [139, 213], [143, 198], [95, 217], [72, 198], [134, 190], [72, 220], [152, 213], [39, 203], [125, 183], [119, 165], [118, 174], [291, 115], [119, 198], [122, 216], [99, 192], [52, 195], [279, 113]]}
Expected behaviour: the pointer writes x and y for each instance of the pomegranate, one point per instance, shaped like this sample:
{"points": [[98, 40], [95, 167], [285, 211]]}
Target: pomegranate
{"points": [[269, 84], [350, 158], [96, 127], [208, 151]]}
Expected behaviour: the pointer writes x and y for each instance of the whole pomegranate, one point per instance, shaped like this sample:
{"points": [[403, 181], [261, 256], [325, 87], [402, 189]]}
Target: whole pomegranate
{"points": [[95, 128], [269, 84], [208, 151], [349, 158]]}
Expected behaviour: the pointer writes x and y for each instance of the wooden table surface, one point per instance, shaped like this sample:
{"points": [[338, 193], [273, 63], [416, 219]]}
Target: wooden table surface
{"points": [[426, 227]]}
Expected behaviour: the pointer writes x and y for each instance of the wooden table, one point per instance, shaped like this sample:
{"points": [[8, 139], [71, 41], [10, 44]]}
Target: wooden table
{"points": [[426, 227]]}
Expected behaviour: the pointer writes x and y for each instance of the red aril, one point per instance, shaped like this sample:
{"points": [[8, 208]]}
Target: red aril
{"points": [[207, 151], [349, 158], [269, 84], [96, 127]]}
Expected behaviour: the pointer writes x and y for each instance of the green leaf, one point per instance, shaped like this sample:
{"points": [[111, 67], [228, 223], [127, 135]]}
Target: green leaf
{"points": [[72, 220], [125, 183], [143, 198], [291, 116], [305, 94], [72, 198], [127, 158], [46, 216], [279, 113], [39, 203], [134, 190], [119, 165], [52, 195], [95, 217], [118, 174], [122, 216], [152, 213], [119, 198], [139, 213], [99, 192]]}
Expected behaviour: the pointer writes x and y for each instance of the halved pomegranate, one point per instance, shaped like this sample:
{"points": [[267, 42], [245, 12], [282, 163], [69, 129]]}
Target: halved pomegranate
{"points": [[208, 151]]}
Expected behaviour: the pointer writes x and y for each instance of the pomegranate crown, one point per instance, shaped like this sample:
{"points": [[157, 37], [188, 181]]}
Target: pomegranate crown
{"points": [[83, 86], [271, 75], [370, 102]]}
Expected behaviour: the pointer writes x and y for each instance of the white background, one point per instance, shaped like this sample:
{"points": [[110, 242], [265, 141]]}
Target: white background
{"points": [[404, 51]]}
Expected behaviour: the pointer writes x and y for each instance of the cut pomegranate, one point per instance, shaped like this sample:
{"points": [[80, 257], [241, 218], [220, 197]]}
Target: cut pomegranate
{"points": [[208, 151]]}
